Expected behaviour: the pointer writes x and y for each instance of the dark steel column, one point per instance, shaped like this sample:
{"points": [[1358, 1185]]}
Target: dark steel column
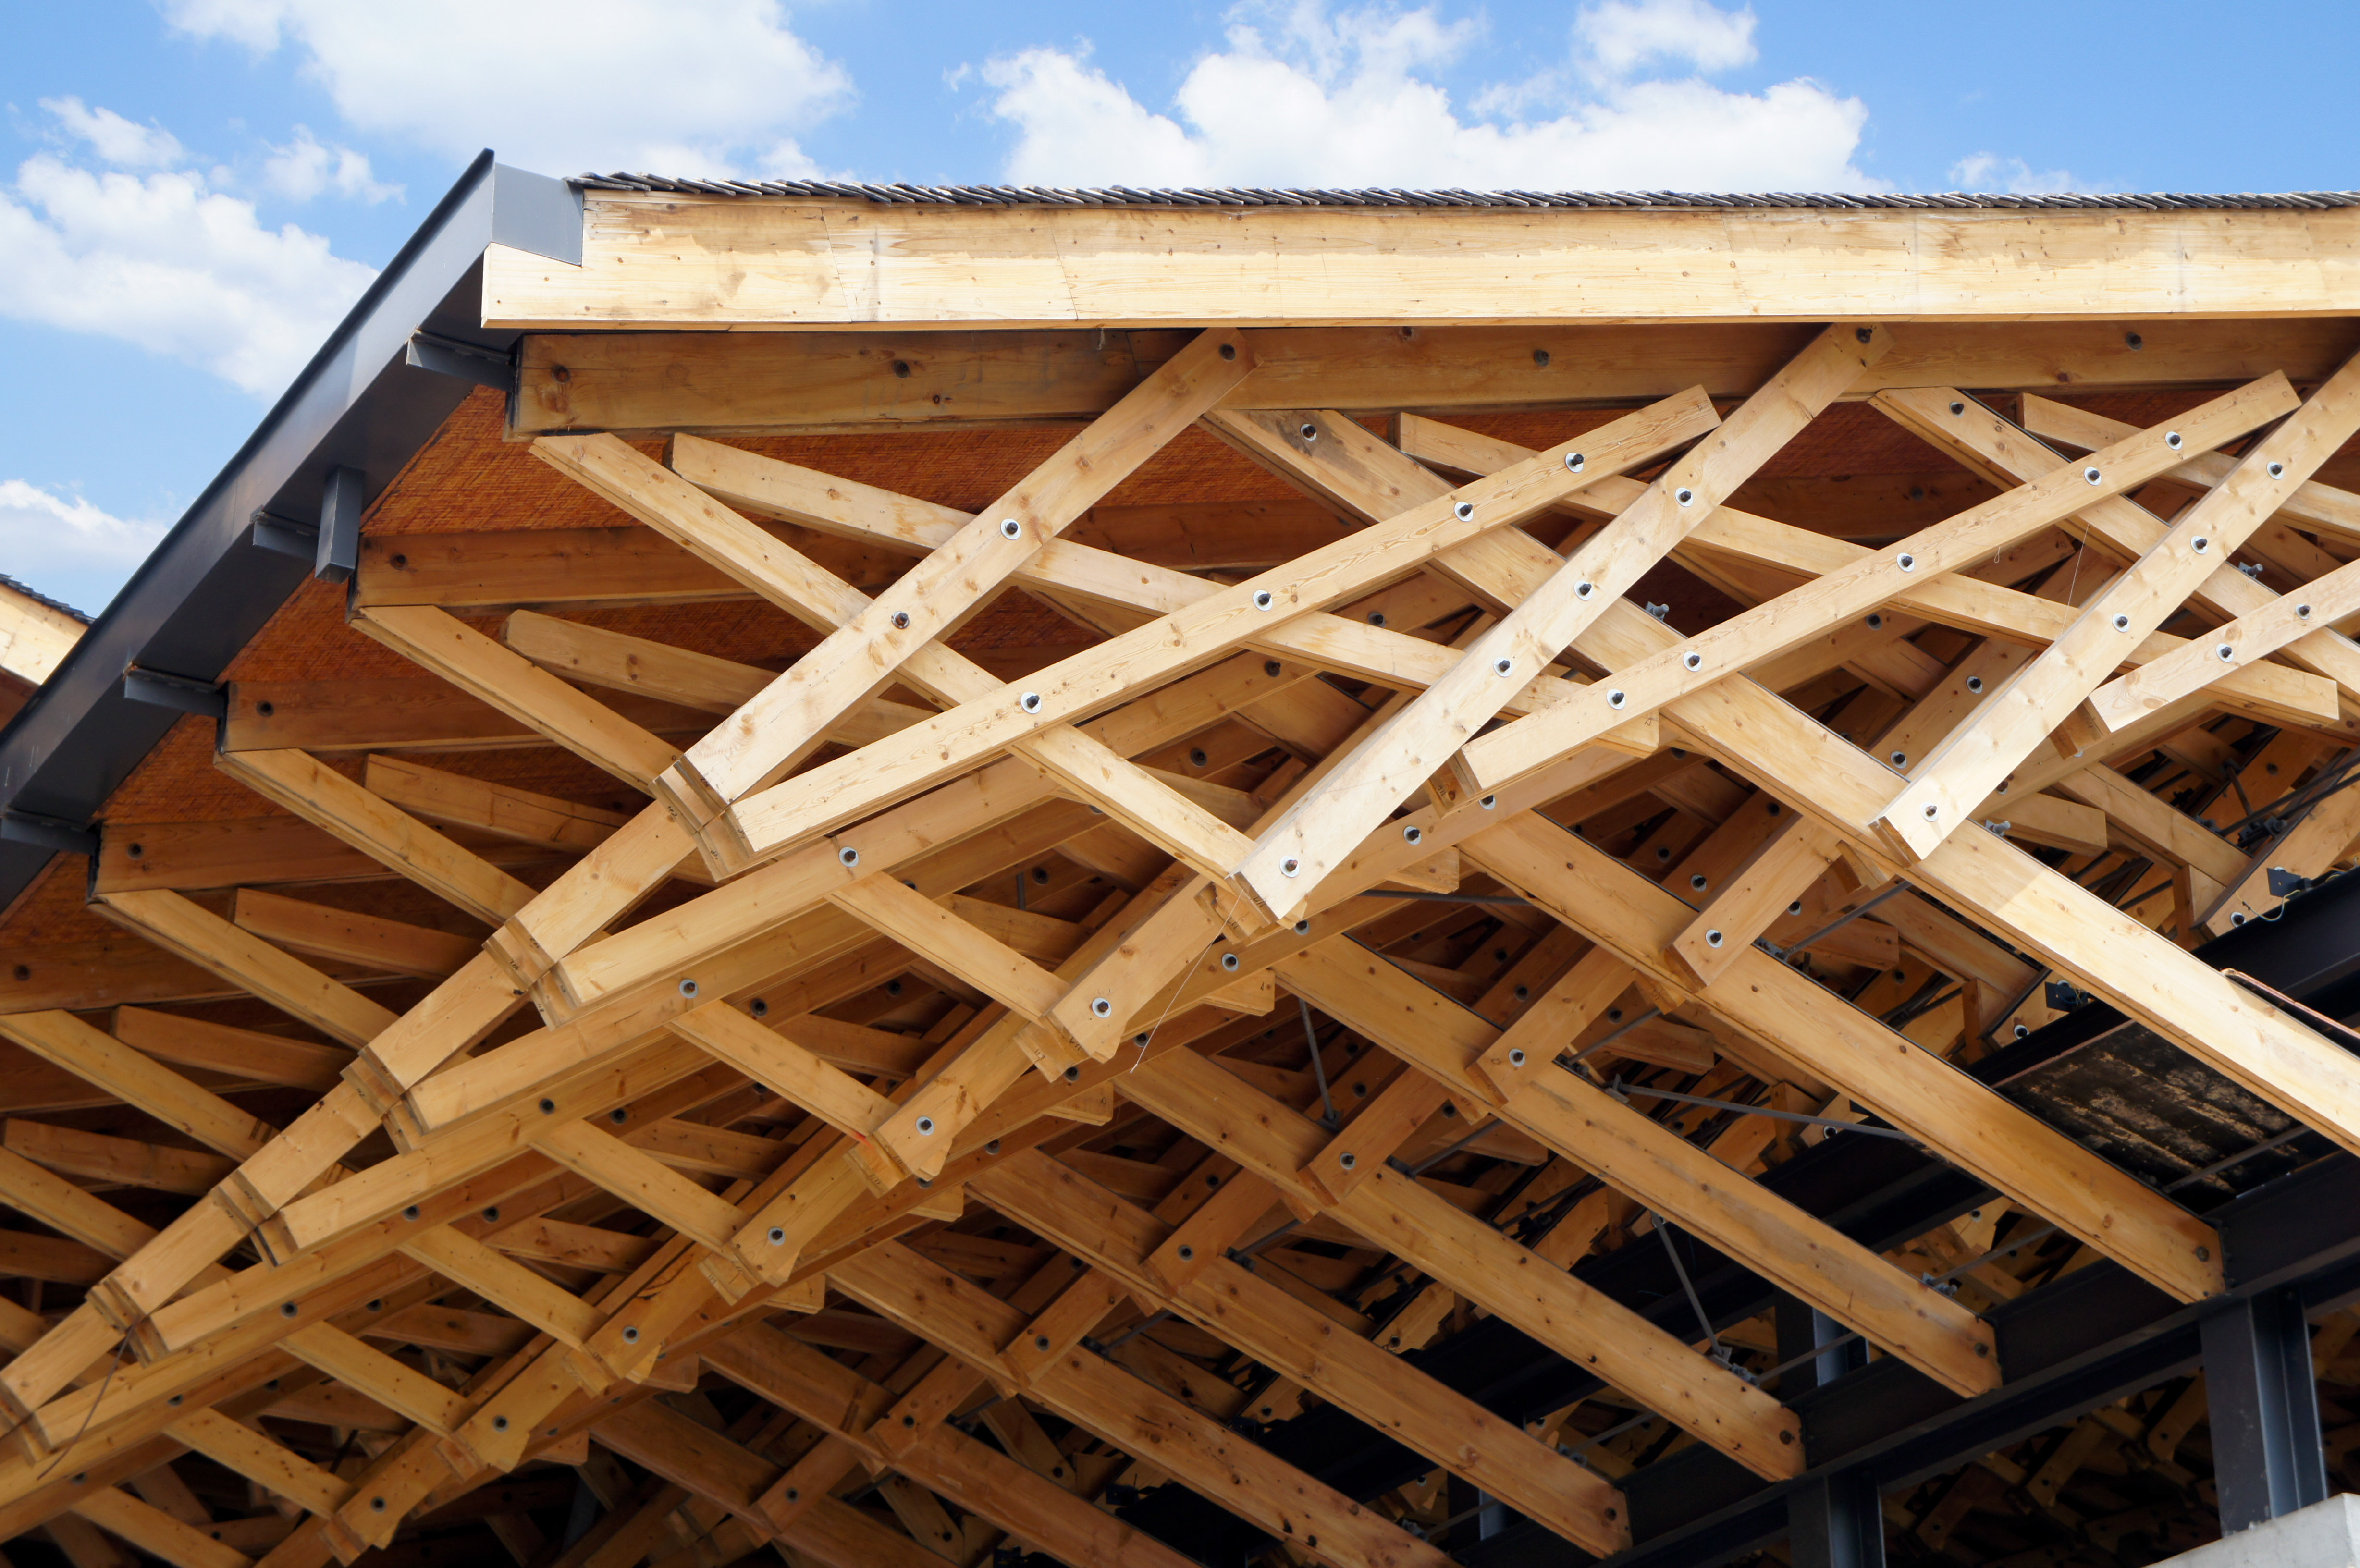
{"points": [[2267, 1457], [1835, 1521]]}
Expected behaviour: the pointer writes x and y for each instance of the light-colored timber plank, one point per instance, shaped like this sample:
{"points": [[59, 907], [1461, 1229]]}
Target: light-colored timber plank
{"points": [[1772, 628], [322, 930], [667, 259], [1419, 740], [824, 797], [501, 810], [186, 928], [1981, 753], [436, 640], [720, 383]]}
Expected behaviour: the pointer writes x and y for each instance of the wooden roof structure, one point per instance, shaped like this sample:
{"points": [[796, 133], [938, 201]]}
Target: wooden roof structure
{"points": [[1158, 876]]}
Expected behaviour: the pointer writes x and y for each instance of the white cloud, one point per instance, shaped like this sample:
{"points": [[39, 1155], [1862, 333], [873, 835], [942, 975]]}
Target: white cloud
{"points": [[1989, 172], [165, 261], [115, 140], [1348, 99], [688, 87], [69, 548], [1622, 37], [303, 169]]}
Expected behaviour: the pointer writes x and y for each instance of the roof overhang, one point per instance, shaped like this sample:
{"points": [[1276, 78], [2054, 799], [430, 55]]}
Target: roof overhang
{"points": [[209, 586]]}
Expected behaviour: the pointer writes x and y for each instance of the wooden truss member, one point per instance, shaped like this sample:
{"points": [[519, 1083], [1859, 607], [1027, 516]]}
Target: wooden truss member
{"points": [[1330, 821], [776, 819], [610, 1039], [859, 656], [1726, 651], [1812, 769]]}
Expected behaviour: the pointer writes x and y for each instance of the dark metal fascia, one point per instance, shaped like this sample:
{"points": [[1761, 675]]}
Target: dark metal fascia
{"points": [[206, 590]]}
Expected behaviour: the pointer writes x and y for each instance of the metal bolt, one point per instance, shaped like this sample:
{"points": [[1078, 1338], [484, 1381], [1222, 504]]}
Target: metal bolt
{"points": [[1489, 802], [1348, 1159], [925, 1126], [1584, 590], [1712, 939], [1040, 1341], [1876, 623], [500, 1423], [1974, 682], [1228, 350], [377, 1505], [1614, 699], [1932, 811], [1900, 759], [2277, 471], [900, 620], [1188, 1253], [1684, 495], [1503, 666], [1413, 834], [1698, 882], [1541, 358], [1230, 961], [1908, 563], [1074, 1074], [1261, 600], [1517, 1056], [1796, 907], [992, 1147], [1957, 409], [1290, 866], [1573, 462], [287, 1309], [688, 988], [1011, 529], [1270, 666], [410, 1213], [1307, 430], [547, 1107], [631, 1335], [1692, 660], [1100, 1008], [2199, 544], [2171, 440], [2122, 623], [2092, 474], [1464, 510], [1303, 928], [1029, 702], [2224, 652], [778, 1236], [2302, 612], [1376, 617], [847, 858]]}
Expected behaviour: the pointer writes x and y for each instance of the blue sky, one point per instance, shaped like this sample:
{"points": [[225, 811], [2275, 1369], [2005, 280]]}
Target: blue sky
{"points": [[192, 192]]}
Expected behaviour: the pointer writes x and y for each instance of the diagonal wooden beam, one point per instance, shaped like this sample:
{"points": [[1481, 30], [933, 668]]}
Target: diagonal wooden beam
{"points": [[817, 801], [1293, 1337], [1567, 1115], [1973, 1128], [378, 829], [858, 657], [183, 927], [438, 641], [809, 592], [1979, 753], [1131, 1415], [2284, 625], [1400, 1216], [1872, 581], [1303, 845]]}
